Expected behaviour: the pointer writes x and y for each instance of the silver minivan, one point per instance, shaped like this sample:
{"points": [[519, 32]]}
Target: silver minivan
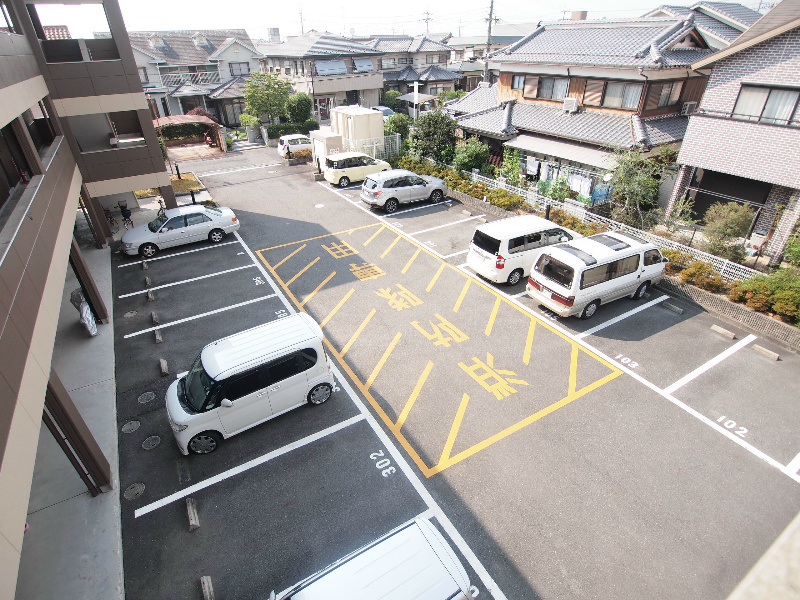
{"points": [[390, 189]]}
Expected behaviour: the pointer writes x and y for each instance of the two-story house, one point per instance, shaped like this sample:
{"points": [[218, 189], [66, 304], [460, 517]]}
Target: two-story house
{"points": [[333, 70], [718, 22], [182, 70], [572, 90], [742, 142], [421, 59]]}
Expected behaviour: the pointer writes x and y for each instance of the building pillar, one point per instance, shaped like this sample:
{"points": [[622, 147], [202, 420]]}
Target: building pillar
{"points": [[89, 287], [65, 422], [790, 199], [97, 218], [27, 146], [682, 181], [168, 194]]}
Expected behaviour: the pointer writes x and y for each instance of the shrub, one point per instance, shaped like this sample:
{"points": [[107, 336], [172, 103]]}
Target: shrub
{"points": [[792, 251], [298, 107], [249, 120], [505, 200], [390, 99], [778, 293], [229, 143], [276, 131], [702, 274], [678, 261], [398, 123], [305, 153], [570, 221], [178, 131], [202, 112], [471, 155]]}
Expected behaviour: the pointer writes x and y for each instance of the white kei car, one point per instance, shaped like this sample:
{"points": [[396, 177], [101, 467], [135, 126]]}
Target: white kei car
{"points": [[177, 226]]}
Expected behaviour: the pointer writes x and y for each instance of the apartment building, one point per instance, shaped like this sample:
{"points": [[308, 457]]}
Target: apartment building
{"points": [[75, 132], [333, 70], [743, 139]]}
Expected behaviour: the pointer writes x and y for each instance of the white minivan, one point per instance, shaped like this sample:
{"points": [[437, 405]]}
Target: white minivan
{"points": [[576, 278], [411, 561], [504, 250], [248, 378]]}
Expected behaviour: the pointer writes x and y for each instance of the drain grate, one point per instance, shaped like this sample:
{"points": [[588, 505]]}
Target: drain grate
{"points": [[133, 491], [129, 314], [151, 442], [130, 426], [146, 397]]}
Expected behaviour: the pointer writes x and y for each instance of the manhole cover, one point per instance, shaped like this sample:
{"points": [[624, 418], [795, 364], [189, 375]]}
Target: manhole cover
{"points": [[130, 426], [146, 397], [134, 491], [151, 442], [129, 314]]}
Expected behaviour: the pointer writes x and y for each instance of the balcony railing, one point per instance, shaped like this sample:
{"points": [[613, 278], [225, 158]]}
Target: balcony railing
{"points": [[721, 114], [171, 79]]}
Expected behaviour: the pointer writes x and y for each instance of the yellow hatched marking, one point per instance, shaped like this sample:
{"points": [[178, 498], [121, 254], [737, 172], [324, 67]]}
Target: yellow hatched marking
{"points": [[374, 235], [290, 256], [573, 370], [361, 327], [493, 316], [319, 237], [389, 249], [337, 307], [303, 270], [318, 288], [374, 375], [451, 438], [413, 397], [526, 355], [463, 295], [411, 260], [435, 277]]}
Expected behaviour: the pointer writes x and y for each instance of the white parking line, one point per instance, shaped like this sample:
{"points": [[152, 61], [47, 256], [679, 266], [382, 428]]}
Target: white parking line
{"points": [[246, 466], [448, 224], [166, 285], [149, 260], [520, 295], [456, 253], [224, 171], [711, 363], [200, 316], [794, 466], [621, 317]]}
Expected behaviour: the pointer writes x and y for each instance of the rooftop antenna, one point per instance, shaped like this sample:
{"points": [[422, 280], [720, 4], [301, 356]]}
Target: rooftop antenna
{"points": [[427, 18], [491, 19]]}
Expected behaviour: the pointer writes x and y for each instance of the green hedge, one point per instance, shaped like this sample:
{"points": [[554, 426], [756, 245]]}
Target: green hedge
{"points": [[276, 131], [778, 294], [183, 130]]}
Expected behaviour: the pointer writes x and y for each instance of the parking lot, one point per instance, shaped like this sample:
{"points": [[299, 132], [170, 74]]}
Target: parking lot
{"points": [[636, 454]]}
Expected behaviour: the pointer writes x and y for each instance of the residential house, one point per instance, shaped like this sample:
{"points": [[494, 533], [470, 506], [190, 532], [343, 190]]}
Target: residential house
{"points": [[743, 139], [718, 22], [182, 70], [333, 70], [572, 90], [76, 135], [406, 60]]}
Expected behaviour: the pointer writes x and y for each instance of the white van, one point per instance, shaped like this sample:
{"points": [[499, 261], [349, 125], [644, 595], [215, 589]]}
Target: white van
{"points": [[248, 378], [504, 250], [576, 278], [411, 561]]}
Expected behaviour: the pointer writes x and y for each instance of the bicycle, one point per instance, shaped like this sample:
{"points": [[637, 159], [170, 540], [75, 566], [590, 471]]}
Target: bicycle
{"points": [[112, 222], [126, 215], [162, 209]]}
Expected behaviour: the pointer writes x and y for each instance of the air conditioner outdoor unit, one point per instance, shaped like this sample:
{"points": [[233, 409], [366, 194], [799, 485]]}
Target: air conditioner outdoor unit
{"points": [[571, 105], [688, 108]]}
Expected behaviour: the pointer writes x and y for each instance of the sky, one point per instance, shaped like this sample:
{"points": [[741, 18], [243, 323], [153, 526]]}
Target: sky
{"points": [[465, 17]]}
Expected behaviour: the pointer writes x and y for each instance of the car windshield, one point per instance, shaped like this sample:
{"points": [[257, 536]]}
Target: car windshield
{"points": [[156, 224], [555, 270], [198, 385]]}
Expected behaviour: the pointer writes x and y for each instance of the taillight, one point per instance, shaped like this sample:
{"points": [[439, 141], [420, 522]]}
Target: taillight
{"points": [[500, 263], [378, 194], [233, 218], [566, 301], [535, 284]]}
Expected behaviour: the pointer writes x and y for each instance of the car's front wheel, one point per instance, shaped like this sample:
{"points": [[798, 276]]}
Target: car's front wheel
{"points": [[391, 205], [436, 196], [205, 443], [344, 182], [216, 236], [148, 250]]}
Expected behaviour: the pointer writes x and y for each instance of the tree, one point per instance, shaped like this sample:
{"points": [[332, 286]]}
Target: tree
{"points": [[510, 167], [265, 94], [636, 181], [433, 136], [390, 99], [474, 154], [446, 95], [202, 112], [298, 107], [725, 224], [397, 123]]}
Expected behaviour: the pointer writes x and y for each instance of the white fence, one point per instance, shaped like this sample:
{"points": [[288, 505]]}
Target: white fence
{"points": [[728, 270], [381, 148]]}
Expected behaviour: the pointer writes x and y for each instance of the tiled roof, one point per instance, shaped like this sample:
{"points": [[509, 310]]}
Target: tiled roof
{"points": [[595, 127], [230, 89], [315, 43], [179, 46], [736, 12], [622, 42], [407, 74], [419, 43], [707, 21], [432, 73], [56, 32], [482, 97], [188, 89]]}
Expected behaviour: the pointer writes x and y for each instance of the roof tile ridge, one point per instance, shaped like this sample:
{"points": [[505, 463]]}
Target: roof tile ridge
{"points": [[483, 111], [513, 47]]}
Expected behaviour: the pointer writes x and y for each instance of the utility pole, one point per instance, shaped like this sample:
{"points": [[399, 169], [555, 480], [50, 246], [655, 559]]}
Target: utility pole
{"points": [[427, 18], [301, 23], [491, 19]]}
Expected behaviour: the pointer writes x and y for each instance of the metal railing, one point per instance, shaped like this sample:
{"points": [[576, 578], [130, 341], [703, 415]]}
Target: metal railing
{"points": [[728, 270], [721, 114], [170, 79], [382, 148]]}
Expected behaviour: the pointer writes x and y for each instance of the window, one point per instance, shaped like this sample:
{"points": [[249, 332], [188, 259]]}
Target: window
{"points": [[196, 219], [432, 59], [404, 61], [309, 358], [555, 270], [553, 88], [622, 95], [652, 257], [287, 70], [766, 105], [244, 385], [516, 244], [477, 53], [485, 242], [388, 63], [283, 369], [143, 75], [607, 272], [664, 94], [239, 68], [174, 223], [459, 55], [518, 82], [13, 166]]}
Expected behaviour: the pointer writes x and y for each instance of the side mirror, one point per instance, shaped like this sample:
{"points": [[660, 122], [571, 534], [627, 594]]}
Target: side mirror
{"points": [[563, 238], [664, 259], [226, 402]]}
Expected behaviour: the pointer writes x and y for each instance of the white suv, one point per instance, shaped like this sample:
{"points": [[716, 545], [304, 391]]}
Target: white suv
{"points": [[389, 189]]}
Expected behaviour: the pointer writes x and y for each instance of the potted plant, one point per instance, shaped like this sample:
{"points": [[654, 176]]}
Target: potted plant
{"points": [[251, 125]]}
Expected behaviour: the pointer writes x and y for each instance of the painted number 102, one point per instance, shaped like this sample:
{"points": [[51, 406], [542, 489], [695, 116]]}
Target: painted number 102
{"points": [[729, 424]]}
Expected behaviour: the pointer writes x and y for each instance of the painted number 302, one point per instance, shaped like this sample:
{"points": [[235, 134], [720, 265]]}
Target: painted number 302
{"points": [[382, 463]]}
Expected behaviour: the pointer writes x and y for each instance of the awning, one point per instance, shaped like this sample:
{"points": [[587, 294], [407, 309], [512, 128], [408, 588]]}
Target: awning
{"points": [[330, 67], [363, 65], [566, 150], [178, 119], [420, 97]]}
